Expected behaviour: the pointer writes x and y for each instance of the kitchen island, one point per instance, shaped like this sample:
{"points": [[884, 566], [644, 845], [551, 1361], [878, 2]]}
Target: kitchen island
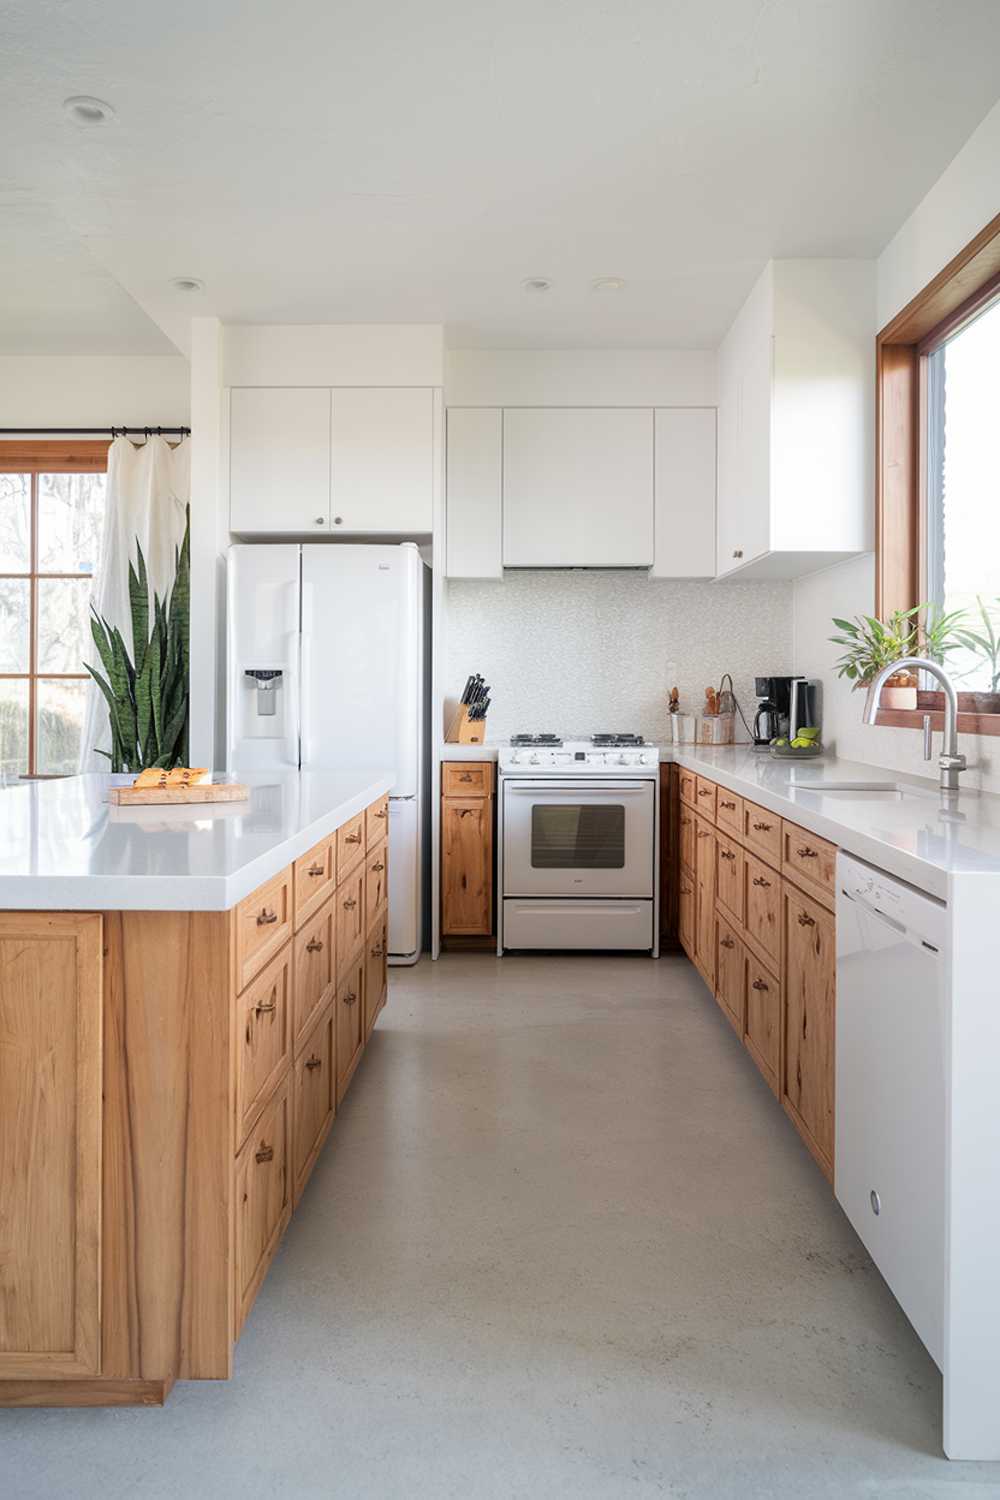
{"points": [[185, 994]]}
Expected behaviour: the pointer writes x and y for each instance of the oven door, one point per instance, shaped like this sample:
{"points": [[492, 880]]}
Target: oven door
{"points": [[583, 838]]}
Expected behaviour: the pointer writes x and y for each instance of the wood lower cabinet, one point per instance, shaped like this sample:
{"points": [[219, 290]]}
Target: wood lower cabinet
{"points": [[762, 909], [350, 1009], [314, 970], [376, 972], [467, 849], [807, 1033], [350, 902], [704, 873], [762, 1018], [730, 973], [50, 1144], [314, 1098], [263, 1198], [729, 876], [686, 912], [263, 1038]]}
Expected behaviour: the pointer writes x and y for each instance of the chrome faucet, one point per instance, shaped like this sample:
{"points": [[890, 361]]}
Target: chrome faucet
{"points": [[950, 762]]}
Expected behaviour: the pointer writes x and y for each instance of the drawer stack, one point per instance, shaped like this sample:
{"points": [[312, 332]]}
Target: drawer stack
{"points": [[310, 978], [756, 917]]}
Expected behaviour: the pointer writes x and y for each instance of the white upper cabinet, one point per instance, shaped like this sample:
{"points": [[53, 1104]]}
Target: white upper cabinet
{"points": [[577, 487], [383, 461], [685, 470], [796, 404], [308, 460], [279, 459], [474, 498]]}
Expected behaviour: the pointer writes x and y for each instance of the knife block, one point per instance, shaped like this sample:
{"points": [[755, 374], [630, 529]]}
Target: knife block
{"points": [[466, 731]]}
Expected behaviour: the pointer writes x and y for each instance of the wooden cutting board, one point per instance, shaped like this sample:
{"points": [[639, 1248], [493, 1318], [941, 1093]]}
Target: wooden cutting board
{"points": [[205, 791]]}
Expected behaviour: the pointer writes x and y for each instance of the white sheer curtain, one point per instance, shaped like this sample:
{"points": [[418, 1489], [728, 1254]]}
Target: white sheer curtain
{"points": [[147, 490]]}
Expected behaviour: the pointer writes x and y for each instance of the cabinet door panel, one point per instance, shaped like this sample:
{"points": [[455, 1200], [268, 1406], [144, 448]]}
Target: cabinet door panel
{"points": [[50, 1144], [763, 1018], [350, 1024], [467, 866], [577, 487], [729, 876], [383, 461], [810, 977], [685, 493], [730, 974], [263, 1198], [705, 899], [376, 972], [263, 1038], [279, 460], [474, 492], [762, 907], [687, 840], [314, 1082], [314, 970], [686, 914], [350, 903]]}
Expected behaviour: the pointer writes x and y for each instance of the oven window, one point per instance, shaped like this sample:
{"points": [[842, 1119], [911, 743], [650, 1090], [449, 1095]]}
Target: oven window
{"points": [[564, 837]]}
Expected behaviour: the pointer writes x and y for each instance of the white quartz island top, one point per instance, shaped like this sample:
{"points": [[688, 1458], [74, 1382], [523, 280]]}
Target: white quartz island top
{"points": [[912, 834], [63, 847]]}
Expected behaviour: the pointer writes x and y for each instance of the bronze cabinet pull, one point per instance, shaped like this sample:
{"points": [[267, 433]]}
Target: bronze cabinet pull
{"points": [[806, 853], [763, 827], [377, 951], [350, 997], [730, 805], [465, 776], [316, 870], [267, 1007], [314, 946], [266, 1153], [350, 904], [352, 838], [805, 920], [265, 917], [313, 1062], [383, 812], [378, 866], [759, 984], [704, 792], [727, 942], [759, 880], [726, 854], [703, 833]]}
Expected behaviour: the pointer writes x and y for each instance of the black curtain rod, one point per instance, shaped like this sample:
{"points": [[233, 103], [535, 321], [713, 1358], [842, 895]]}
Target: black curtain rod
{"points": [[95, 431]]}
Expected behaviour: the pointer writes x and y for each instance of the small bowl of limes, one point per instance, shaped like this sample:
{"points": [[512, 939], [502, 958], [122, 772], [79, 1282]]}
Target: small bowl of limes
{"points": [[805, 746]]}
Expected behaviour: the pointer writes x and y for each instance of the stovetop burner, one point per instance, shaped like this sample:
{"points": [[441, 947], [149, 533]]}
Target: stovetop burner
{"points": [[536, 739], [617, 741]]}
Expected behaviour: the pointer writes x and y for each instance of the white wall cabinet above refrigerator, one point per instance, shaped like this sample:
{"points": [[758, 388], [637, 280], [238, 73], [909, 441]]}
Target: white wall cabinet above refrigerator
{"points": [[796, 425], [586, 487], [346, 462]]}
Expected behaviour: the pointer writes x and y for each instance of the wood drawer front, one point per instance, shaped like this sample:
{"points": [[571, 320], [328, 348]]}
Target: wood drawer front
{"points": [[687, 840], [350, 1024], [263, 1198], [314, 971], [689, 787], [350, 904], [706, 792], [376, 972], [376, 821], [729, 876], [762, 1018], [263, 1038], [376, 884], [809, 861], [809, 987], [467, 778], [314, 879], [762, 832], [762, 908], [263, 925], [350, 845], [314, 1097], [729, 812], [730, 966]]}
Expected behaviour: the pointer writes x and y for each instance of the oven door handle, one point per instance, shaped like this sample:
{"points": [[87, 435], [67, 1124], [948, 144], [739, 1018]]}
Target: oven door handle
{"points": [[578, 789]]}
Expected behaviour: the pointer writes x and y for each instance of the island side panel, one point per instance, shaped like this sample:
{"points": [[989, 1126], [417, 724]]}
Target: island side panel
{"points": [[168, 1260]]}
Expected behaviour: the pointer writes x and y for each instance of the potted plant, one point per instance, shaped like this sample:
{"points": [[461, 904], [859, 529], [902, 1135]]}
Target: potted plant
{"points": [[984, 643], [872, 644]]}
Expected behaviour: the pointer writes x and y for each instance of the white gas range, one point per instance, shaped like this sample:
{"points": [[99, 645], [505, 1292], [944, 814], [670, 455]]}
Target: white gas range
{"points": [[579, 852]]}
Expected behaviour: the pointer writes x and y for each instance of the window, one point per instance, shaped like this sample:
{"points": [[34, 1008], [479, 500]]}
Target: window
{"points": [[51, 520]]}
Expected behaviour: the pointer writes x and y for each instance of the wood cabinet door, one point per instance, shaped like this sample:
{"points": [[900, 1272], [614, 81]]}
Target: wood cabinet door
{"points": [[762, 1021], [729, 876], [808, 1013], [350, 1024], [474, 492], [687, 839], [686, 913], [383, 460], [689, 787], [376, 972], [762, 909], [376, 883], [730, 974], [314, 1102], [705, 899], [279, 460], [50, 1144], [263, 1038], [467, 866], [350, 904], [314, 970], [263, 1198]]}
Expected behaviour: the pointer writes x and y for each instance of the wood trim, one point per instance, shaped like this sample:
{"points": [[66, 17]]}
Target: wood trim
{"points": [[63, 456], [964, 277], [96, 1392]]}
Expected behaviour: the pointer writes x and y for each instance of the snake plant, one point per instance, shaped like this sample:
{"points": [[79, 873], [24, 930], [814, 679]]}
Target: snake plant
{"points": [[148, 698]]}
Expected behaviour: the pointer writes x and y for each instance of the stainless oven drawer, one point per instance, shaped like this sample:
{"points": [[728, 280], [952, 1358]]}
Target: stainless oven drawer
{"points": [[578, 924]]}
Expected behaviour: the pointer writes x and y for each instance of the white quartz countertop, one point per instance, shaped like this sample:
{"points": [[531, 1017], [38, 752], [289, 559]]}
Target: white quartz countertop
{"points": [[912, 834], [64, 847]]}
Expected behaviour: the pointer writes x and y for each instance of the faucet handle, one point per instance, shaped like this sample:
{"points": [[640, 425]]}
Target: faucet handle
{"points": [[953, 762]]}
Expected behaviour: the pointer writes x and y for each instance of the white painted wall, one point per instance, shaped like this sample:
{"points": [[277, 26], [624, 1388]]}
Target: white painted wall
{"points": [[94, 390], [580, 377], [961, 202], [385, 354]]}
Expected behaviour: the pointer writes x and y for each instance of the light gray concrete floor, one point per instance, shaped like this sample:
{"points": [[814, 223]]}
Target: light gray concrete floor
{"points": [[562, 1245]]}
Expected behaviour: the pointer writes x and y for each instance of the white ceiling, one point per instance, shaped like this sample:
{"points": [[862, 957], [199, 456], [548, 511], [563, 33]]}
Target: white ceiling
{"points": [[381, 161]]}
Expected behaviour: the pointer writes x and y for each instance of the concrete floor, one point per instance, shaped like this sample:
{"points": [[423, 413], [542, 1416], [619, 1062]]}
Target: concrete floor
{"points": [[562, 1245]]}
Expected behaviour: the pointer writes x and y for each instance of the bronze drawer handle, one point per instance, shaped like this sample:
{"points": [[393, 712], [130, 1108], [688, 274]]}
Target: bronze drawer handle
{"points": [[314, 946], [267, 1007], [383, 812], [703, 833], [266, 1153], [350, 997], [265, 917], [704, 792], [313, 1062], [352, 838], [727, 943], [730, 805], [378, 867], [726, 854], [806, 853], [805, 920], [316, 870], [759, 984], [377, 951], [686, 890], [759, 880], [465, 776], [350, 904], [763, 827]]}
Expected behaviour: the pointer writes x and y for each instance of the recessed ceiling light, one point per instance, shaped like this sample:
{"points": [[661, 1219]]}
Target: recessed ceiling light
{"points": [[187, 284], [607, 283], [88, 111], [537, 284]]}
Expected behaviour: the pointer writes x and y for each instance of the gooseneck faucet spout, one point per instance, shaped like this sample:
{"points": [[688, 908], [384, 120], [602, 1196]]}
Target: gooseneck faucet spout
{"points": [[950, 762]]}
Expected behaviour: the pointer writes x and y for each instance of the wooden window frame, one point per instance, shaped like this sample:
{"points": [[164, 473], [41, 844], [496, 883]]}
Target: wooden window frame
{"points": [[954, 297], [61, 456]]}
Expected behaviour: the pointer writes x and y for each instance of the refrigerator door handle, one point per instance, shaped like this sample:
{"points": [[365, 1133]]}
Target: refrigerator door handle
{"points": [[410, 797]]}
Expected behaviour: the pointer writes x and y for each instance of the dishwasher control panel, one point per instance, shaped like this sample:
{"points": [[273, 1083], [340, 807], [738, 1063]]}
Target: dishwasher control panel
{"points": [[923, 917]]}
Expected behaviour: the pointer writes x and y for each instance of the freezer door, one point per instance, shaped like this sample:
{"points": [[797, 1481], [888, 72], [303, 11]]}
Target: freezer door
{"points": [[404, 880]]}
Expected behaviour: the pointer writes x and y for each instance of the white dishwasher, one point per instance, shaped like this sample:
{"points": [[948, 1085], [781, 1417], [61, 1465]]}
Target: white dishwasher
{"points": [[891, 1055]]}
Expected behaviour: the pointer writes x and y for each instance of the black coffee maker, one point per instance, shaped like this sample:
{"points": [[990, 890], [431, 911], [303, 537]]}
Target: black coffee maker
{"points": [[772, 717]]}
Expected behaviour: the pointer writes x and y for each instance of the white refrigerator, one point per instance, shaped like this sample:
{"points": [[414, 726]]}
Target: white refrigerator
{"points": [[328, 671]]}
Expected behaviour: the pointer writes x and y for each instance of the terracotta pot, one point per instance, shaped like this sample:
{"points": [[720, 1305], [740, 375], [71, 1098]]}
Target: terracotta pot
{"points": [[899, 697]]}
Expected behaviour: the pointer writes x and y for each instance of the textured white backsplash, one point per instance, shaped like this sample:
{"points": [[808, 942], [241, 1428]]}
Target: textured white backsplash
{"points": [[577, 653]]}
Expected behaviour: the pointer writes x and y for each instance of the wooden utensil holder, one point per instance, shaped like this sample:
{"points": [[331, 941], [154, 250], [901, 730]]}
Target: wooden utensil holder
{"points": [[466, 731]]}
